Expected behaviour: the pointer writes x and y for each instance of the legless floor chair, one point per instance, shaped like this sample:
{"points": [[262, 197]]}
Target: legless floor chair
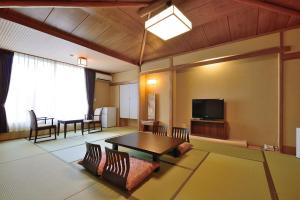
{"points": [[117, 168]]}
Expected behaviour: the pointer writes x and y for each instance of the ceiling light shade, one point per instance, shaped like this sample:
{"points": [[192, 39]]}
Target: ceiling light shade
{"points": [[82, 61], [168, 24]]}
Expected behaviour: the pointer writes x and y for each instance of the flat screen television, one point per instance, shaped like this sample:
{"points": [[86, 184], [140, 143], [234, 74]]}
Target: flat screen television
{"points": [[212, 109]]}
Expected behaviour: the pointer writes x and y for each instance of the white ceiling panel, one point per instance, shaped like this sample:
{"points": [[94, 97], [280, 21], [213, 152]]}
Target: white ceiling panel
{"points": [[19, 38]]}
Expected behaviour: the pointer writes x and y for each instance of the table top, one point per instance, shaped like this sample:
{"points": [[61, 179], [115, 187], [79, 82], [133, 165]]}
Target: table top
{"points": [[146, 142], [69, 120]]}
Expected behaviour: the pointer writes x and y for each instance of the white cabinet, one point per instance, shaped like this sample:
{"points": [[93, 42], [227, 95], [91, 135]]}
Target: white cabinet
{"points": [[129, 101], [108, 117]]}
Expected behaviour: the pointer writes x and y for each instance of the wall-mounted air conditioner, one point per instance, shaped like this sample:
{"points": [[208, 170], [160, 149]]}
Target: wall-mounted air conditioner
{"points": [[105, 77]]}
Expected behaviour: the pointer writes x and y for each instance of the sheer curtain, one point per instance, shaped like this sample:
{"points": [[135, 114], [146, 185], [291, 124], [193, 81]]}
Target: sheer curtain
{"points": [[48, 87]]}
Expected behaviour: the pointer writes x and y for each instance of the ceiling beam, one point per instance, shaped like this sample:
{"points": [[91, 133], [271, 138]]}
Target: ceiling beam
{"points": [[271, 7], [152, 7], [71, 4], [18, 18]]}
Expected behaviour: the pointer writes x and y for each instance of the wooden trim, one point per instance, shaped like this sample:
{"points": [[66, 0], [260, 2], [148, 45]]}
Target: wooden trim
{"points": [[235, 57], [269, 178], [222, 44], [271, 7], [16, 17], [291, 56], [123, 83], [143, 44], [289, 150], [156, 71], [280, 93], [71, 4], [171, 78], [152, 7]]}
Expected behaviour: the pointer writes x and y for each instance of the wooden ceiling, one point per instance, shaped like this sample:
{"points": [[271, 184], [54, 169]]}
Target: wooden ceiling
{"points": [[121, 29]]}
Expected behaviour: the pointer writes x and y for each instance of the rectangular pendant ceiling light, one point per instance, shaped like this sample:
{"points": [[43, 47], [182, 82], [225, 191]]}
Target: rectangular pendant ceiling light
{"points": [[82, 61], [168, 24]]}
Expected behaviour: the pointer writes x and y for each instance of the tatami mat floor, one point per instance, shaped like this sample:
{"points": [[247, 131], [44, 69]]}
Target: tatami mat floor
{"points": [[49, 170]]}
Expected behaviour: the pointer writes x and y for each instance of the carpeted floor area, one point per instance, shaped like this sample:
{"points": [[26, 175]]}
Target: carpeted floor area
{"points": [[49, 170]]}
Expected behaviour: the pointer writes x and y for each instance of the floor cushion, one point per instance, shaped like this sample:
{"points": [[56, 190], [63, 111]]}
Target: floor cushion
{"points": [[184, 147], [139, 170]]}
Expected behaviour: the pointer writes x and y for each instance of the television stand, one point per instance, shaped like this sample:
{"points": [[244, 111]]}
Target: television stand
{"points": [[209, 128]]}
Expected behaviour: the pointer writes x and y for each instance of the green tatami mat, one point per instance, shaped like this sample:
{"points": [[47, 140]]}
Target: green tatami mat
{"points": [[227, 178], [62, 143], [98, 191], [190, 160], [285, 172], [163, 184], [227, 149], [16, 149], [41, 177]]}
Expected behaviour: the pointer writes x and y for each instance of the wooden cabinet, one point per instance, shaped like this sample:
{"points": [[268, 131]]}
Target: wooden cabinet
{"points": [[129, 101], [209, 128]]}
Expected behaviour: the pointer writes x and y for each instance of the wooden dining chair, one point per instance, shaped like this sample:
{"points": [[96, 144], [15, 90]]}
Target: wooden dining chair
{"points": [[184, 134], [36, 127], [160, 130]]}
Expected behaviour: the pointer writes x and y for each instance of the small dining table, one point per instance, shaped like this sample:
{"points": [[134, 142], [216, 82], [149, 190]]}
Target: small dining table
{"points": [[65, 122]]}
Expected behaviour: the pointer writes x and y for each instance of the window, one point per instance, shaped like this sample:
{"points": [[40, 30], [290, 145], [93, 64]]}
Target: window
{"points": [[48, 87]]}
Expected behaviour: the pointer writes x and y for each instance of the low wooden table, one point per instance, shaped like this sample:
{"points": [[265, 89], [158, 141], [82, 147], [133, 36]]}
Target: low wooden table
{"points": [[66, 122], [145, 142]]}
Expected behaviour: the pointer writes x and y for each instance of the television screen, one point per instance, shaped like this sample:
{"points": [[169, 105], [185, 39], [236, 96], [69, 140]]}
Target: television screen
{"points": [[208, 108]]}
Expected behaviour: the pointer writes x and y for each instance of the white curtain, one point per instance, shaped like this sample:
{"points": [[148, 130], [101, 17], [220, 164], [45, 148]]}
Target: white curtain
{"points": [[50, 88]]}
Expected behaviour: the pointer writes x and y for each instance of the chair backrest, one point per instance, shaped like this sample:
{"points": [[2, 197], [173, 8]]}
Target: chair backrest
{"points": [[181, 133], [92, 157], [160, 130], [33, 121], [98, 113], [116, 168]]}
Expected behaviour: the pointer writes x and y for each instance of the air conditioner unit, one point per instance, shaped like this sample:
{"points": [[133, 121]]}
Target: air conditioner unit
{"points": [[105, 77]]}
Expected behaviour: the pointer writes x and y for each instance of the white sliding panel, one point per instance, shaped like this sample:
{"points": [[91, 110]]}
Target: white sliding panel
{"points": [[133, 105], [124, 101]]}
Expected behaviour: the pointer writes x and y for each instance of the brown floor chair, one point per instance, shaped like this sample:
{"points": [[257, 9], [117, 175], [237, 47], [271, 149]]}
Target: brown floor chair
{"points": [[182, 133], [117, 167]]}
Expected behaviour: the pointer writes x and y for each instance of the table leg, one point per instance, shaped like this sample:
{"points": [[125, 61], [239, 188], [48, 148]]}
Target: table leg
{"points": [[82, 126], [58, 128], [155, 158], [65, 130], [75, 127], [115, 147]]}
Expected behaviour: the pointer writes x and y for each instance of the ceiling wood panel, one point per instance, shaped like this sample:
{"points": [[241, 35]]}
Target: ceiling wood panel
{"points": [[238, 27], [217, 32], [66, 19], [39, 14], [91, 28], [293, 21], [121, 29], [270, 21], [196, 38]]}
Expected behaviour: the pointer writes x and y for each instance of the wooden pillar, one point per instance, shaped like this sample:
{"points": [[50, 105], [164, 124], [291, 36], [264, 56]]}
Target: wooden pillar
{"points": [[280, 92], [171, 78]]}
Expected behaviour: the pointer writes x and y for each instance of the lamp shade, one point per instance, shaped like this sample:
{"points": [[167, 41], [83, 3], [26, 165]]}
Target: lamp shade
{"points": [[169, 23], [82, 61]]}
